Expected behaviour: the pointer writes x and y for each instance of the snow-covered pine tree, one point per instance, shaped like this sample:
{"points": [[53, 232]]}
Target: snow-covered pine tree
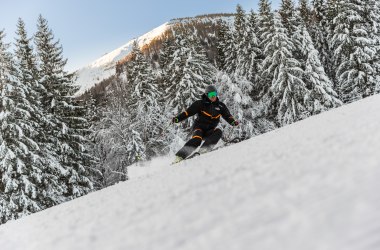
{"points": [[291, 19], [265, 33], [355, 53], [167, 49], [265, 18], [176, 100], [305, 12], [27, 184], [167, 134], [257, 53], [117, 143], [235, 93], [372, 15], [190, 72], [239, 23], [288, 16], [318, 17], [175, 72], [165, 52], [237, 44], [332, 10], [144, 104], [5, 60], [319, 32], [65, 133], [93, 113], [142, 79], [240, 41], [321, 97], [287, 89], [224, 41], [249, 51]]}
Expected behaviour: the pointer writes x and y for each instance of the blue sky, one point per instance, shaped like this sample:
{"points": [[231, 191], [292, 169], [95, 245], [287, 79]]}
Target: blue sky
{"points": [[87, 29]]}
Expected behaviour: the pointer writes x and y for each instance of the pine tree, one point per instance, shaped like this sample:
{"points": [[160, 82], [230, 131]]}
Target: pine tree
{"points": [[319, 32], [249, 51], [224, 41], [265, 18], [321, 97], [287, 89], [175, 72], [237, 36], [142, 79], [265, 33], [291, 19], [65, 139], [288, 16], [234, 92], [240, 31], [240, 22], [167, 49], [5, 60], [372, 17], [112, 136], [93, 113], [305, 12], [354, 52], [144, 104], [28, 183], [190, 71]]}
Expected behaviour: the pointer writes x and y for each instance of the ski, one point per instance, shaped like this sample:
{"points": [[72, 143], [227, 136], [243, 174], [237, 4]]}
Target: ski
{"points": [[195, 154]]}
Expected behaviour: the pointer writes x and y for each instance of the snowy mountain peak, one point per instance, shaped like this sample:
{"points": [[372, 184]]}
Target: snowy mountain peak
{"points": [[104, 67]]}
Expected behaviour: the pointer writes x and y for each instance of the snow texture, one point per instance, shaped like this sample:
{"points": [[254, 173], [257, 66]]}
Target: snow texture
{"points": [[309, 185]]}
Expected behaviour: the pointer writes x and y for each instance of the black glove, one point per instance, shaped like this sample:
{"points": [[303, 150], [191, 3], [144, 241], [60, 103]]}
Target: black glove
{"points": [[175, 120]]}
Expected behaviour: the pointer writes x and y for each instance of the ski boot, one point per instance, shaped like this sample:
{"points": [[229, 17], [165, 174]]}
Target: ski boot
{"points": [[177, 160]]}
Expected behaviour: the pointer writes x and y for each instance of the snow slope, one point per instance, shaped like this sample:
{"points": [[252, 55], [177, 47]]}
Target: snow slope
{"points": [[313, 185]]}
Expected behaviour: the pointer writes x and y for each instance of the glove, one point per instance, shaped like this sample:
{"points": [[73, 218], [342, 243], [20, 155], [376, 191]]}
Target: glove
{"points": [[235, 123], [175, 120]]}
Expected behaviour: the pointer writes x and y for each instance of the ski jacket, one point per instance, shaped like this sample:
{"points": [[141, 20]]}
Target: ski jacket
{"points": [[208, 113]]}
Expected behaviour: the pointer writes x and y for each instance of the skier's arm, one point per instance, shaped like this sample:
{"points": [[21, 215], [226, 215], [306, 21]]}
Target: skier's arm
{"points": [[192, 110], [227, 116]]}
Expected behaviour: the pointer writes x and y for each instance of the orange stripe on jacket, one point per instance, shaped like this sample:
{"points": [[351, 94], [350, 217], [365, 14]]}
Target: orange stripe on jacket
{"points": [[196, 136], [212, 117]]}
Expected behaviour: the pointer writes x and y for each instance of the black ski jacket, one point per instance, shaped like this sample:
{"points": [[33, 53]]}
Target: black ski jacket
{"points": [[208, 112]]}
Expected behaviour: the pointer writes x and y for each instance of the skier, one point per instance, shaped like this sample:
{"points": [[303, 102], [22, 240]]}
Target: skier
{"points": [[209, 110]]}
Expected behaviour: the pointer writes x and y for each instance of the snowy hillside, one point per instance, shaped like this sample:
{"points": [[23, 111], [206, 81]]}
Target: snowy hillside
{"points": [[104, 67], [311, 185]]}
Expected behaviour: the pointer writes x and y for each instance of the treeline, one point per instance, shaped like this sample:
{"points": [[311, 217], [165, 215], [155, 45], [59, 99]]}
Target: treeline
{"points": [[44, 159]]}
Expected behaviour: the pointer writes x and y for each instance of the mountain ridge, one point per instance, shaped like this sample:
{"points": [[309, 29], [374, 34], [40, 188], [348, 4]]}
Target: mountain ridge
{"points": [[105, 66]]}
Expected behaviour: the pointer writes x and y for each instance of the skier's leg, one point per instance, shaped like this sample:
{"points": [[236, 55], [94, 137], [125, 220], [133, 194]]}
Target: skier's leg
{"points": [[211, 139], [191, 145]]}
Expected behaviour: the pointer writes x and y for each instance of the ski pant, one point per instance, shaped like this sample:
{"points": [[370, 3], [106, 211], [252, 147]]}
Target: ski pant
{"points": [[211, 138]]}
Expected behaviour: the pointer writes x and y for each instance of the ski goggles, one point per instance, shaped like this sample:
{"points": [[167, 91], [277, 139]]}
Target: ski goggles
{"points": [[212, 94]]}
